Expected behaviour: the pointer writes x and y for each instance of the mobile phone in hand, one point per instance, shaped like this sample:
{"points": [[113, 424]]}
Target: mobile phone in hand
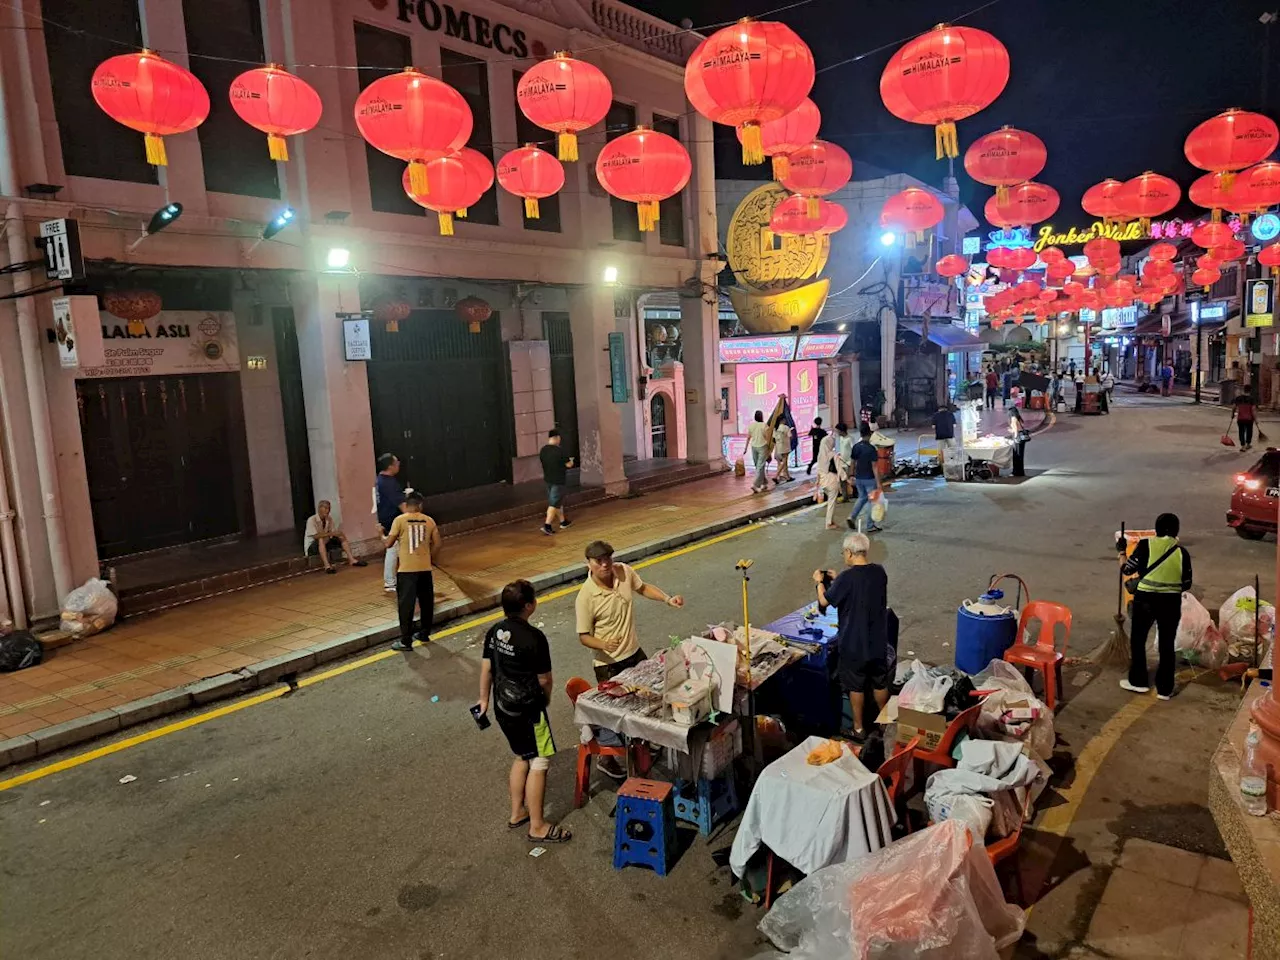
{"points": [[482, 721]]}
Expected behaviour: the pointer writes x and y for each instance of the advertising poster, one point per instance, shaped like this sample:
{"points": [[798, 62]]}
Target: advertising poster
{"points": [[173, 342], [759, 385], [804, 403]]}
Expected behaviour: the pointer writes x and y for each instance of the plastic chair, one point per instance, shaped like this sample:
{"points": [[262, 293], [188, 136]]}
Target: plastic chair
{"points": [[574, 688], [1043, 654], [1000, 850], [940, 756], [894, 772]]}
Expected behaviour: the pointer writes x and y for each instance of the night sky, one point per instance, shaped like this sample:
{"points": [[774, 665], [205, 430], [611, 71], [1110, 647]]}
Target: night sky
{"points": [[1112, 88]]}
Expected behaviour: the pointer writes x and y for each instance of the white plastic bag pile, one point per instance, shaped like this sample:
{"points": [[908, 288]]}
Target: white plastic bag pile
{"points": [[1241, 618], [925, 691], [89, 609], [1011, 712], [931, 896]]}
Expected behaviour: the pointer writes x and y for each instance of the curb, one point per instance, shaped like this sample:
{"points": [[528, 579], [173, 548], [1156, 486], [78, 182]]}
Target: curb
{"points": [[39, 743]]}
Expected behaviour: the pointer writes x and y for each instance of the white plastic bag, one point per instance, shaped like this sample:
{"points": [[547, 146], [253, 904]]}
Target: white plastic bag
{"points": [[930, 896], [1011, 712], [1199, 639], [89, 609], [1236, 620], [923, 692]]}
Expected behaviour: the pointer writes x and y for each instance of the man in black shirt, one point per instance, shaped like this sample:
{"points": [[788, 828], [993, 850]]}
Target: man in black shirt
{"points": [[516, 670], [861, 595], [944, 423], [816, 436], [865, 478], [554, 465]]}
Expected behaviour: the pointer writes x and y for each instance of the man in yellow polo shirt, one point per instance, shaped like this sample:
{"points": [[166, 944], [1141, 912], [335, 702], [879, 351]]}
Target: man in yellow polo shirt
{"points": [[606, 620]]}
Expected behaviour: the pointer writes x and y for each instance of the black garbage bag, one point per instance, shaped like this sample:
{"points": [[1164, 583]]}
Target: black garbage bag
{"points": [[20, 650], [874, 750], [959, 697]]}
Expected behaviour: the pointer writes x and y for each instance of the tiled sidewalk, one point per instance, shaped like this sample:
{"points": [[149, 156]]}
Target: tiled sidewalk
{"points": [[176, 648]]}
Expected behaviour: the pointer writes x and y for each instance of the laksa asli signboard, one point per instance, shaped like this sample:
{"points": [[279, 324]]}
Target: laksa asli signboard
{"points": [[175, 342]]}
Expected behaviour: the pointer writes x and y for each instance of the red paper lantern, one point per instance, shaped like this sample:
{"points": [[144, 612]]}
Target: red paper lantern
{"points": [[996, 215], [1206, 277], [791, 218], [748, 74], [1052, 255], [1163, 251], [1101, 249], [817, 169], [1210, 192], [473, 310], [1232, 249], [1270, 257], [565, 96], [1207, 261], [1149, 195], [1231, 141], [1172, 284], [390, 312], [530, 173], [149, 94], [1260, 184], [413, 117], [451, 186], [1211, 234], [1004, 158], [1028, 289], [1028, 203], [996, 256], [277, 103], [1157, 269], [943, 76], [135, 307], [952, 265], [1048, 295], [1104, 201], [479, 176], [912, 211], [996, 323], [1021, 258], [644, 167], [786, 134]]}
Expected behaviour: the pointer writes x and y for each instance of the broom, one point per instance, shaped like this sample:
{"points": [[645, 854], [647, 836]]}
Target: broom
{"points": [[1226, 440], [1118, 645]]}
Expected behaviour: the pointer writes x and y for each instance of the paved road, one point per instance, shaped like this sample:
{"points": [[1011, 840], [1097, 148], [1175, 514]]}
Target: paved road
{"points": [[358, 818]]}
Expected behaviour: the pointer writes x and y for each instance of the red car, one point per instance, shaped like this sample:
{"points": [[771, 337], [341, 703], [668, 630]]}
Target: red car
{"points": [[1256, 497]]}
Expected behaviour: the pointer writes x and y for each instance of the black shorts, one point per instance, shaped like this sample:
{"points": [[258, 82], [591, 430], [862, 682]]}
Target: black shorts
{"points": [[333, 543], [863, 676], [528, 734]]}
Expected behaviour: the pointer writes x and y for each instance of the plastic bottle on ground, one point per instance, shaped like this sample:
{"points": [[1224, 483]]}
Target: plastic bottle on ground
{"points": [[1253, 776]]}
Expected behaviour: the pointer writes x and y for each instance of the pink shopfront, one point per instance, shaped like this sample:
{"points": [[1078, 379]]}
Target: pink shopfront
{"points": [[758, 371]]}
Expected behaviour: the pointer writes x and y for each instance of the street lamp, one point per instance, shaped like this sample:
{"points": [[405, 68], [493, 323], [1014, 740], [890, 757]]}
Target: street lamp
{"points": [[162, 218], [610, 274], [339, 258], [888, 238]]}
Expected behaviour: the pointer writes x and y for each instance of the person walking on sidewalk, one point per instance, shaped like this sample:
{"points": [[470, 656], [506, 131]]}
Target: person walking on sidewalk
{"points": [[759, 439], [387, 497], [864, 456], [1018, 435], [554, 464], [944, 426], [831, 474], [417, 540], [993, 387], [1245, 415], [323, 534], [816, 436], [515, 670], [1163, 568], [782, 452]]}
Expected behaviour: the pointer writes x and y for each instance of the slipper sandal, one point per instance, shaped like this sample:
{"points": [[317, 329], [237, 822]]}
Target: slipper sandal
{"points": [[360, 563], [556, 834], [518, 823], [330, 570]]}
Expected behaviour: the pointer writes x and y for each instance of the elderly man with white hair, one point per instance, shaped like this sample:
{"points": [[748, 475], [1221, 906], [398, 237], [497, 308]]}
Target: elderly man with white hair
{"points": [[860, 594]]}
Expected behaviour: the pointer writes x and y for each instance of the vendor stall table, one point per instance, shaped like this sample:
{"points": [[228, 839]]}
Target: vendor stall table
{"points": [[806, 696], [814, 816]]}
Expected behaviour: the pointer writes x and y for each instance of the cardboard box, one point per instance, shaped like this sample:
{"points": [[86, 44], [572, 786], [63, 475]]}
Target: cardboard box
{"points": [[929, 727]]}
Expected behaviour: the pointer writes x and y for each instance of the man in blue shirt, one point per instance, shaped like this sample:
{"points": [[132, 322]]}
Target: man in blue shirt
{"points": [[864, 456], [388, 495]]}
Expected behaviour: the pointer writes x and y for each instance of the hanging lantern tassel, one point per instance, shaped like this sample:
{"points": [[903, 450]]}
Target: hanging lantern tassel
{"points": [[473, 326], [393, 326], [418, 176], [752, 145], [567, 146], [648, 213], [531, 208], [1002, 192], [446, 223], [155, 151], [944, 140], [137, 328], [813, 209], [781, 167], [1215, 215], [277, 146], [461, 213], [1226, 179]]}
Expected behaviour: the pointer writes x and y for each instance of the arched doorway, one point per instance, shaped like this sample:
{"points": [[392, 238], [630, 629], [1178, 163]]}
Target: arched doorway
{"points": [[658, 424]]}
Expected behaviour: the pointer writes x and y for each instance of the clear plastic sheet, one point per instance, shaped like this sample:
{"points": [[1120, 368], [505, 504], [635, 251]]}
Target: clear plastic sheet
{"points": [[997, 720], [931, 896]]}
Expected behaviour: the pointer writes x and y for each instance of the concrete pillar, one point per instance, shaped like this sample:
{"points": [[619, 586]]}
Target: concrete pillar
{"points": [[888, 338], [599, 418], [336, 395], [700, 327]]}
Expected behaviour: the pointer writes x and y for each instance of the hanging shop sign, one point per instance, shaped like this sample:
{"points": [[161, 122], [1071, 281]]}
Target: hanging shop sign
{"points": [[1260, 301], [971, 245], [356, 343], [172, 342], [1266, 227], [820, 346], [1050, 236], [757, 349], [464, 25], [618, 367]]}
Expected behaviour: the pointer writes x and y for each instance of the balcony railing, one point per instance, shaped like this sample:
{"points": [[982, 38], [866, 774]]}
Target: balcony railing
{"points": [[643, 32]]}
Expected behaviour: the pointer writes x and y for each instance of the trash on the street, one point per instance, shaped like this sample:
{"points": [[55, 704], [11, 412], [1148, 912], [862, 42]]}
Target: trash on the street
{"points": [[19, 650], [89, 609], [129, 778], [537, 851]]}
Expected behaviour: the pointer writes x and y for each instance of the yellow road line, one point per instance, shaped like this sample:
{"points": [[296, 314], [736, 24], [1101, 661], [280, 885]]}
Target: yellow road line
{"points": [[193, 721]]}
